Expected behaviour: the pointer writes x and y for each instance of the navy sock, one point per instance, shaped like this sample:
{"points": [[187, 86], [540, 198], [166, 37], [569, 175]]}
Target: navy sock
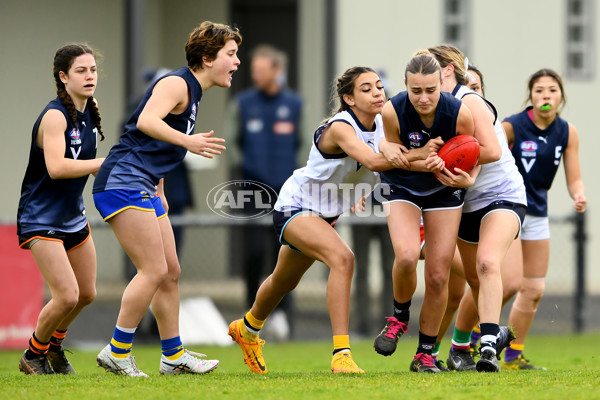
{"points": [[426, 343], [402, 311], [489, 334]]}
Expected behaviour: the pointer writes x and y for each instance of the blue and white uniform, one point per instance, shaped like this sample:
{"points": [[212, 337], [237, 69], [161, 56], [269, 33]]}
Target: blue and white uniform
{"points": [[47, 204], [538, 153], [416, 187], [498, 185], [135, 165], [329, 184]]}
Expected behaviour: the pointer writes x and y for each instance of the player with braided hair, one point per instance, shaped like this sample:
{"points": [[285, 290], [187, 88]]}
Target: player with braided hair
{"points": [[51, 219]]}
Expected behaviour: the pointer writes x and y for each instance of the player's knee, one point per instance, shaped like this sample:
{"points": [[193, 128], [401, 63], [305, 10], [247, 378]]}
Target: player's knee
{"points": [[155, 277], [532, 289], [406, 260], [88, 296], [436, 281], [67, 300], [487, 268], [344, 262]]}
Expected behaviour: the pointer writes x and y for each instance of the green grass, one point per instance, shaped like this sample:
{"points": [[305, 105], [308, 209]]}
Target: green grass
{"points": [[300, 370]]}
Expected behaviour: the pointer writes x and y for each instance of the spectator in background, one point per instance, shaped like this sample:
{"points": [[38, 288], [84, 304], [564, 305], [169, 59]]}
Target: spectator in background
{"points": [[264, 136]]}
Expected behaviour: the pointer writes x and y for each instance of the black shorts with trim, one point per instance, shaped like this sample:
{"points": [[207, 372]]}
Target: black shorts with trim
{"points": [[470, 223], [445, 198], [70, 240], [282, 218]]}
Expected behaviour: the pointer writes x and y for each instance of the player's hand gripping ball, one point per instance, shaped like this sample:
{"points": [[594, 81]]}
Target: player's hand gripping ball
{"points": [[462, 151]]}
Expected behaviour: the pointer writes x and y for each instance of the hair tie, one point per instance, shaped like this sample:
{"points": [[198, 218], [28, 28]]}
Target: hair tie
{"points": [[466, 65]]}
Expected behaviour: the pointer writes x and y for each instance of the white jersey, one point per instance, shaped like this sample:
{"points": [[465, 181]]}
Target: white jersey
{"points": [[330, 184], [499, 180]]}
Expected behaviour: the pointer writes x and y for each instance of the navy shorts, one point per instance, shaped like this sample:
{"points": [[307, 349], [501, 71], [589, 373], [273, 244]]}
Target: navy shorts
{"points": [[470, 223], [281, 219], [111, 202], [447, 198], [70, 240]]}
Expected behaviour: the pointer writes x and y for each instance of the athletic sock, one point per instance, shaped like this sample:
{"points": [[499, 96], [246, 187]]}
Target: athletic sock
{"points": [[489, 336], [36, 348], [253, 324], [121, 342], [475, 335], [460, 340], [513, 351], [426, 343], [172, 348], [56, 340], [402, 311], [436, 350], [341, 344]]}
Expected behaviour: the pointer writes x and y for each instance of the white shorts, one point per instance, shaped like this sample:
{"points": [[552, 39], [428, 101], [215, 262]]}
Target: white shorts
{"points": [[535, 228]]}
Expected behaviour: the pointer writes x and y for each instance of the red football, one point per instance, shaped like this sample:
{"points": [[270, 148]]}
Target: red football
{"points": [[461, 151]]}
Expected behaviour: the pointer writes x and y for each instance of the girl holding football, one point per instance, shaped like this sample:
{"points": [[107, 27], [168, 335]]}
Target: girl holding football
{"points": [[422, 119]]}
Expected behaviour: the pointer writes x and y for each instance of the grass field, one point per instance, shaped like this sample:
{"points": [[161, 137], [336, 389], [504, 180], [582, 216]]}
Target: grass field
{"points": [[300, 370]]}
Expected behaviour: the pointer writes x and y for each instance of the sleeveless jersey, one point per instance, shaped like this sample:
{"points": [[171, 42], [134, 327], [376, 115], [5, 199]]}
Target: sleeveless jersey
{"points": [[330, 184], [538, 153], [414, 134], [139, 161], [499, 180], [269, 136], [56, 204]]}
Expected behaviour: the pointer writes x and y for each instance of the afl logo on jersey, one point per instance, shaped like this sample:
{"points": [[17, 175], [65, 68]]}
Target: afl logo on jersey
{"points": [[194, 111], [75, 137], [529, 146], [415, 137]]}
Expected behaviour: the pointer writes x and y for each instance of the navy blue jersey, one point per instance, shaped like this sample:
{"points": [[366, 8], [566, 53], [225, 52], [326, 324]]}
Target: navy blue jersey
{"points": [[414, 134], [139, 161], [56, 204], [537, 153], [269, 136]]}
